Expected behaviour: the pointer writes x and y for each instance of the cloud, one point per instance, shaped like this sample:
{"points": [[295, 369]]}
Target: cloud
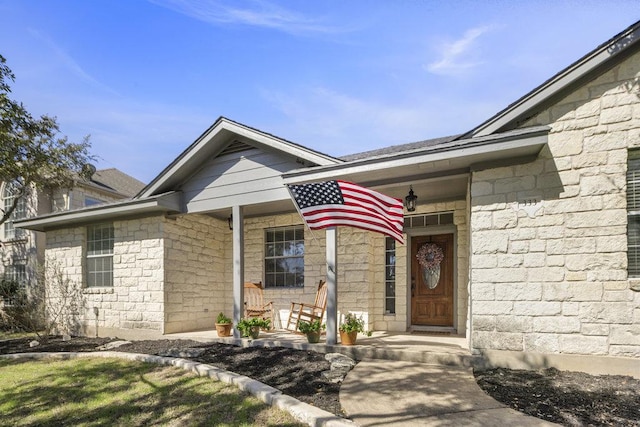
{"points": [[460, 55], [257, 13]]}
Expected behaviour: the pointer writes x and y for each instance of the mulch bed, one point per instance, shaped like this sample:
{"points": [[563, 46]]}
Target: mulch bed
{"points": [[566, 398], [296, 373]]}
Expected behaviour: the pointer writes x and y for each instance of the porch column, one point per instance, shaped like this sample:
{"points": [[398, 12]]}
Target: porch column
{"points": [[238, 267], [332, 285]]}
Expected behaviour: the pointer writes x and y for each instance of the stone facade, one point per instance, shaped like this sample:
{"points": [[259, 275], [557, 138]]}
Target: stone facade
{"points": [[196, 286], [548, 238], [174, 274], [133, 307]]}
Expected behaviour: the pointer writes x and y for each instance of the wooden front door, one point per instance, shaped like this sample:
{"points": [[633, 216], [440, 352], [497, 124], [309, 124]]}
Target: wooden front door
{"points": [[432, 307]]}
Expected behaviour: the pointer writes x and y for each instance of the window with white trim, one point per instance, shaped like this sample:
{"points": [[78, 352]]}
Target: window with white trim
{"points": [[8, 196], [100, 255], [390, 276], [633, 214], [284, 257]]}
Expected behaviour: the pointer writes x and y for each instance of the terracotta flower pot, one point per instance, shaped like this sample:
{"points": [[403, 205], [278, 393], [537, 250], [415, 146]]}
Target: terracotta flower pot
{"points": [[313, 337], [223, 329], [348, 338]]}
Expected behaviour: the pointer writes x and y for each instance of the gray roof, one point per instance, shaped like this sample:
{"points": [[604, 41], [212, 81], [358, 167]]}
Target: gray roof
{"points": [[118, 181], [396, 149]]}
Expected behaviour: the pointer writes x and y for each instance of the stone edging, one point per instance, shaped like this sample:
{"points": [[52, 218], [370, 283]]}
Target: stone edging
{"points": [[301, 411]]}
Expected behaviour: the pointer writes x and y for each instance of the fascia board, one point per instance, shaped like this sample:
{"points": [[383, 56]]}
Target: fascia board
{"points": [[532, 138], [281, 145], [164, 203]]}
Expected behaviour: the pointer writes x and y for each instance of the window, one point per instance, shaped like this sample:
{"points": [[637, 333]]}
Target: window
{"points": [[16, 272], [428, 220], [100, 255], [16, 276], [90, 201], [284, 258], [390, 276], [633, 214], [20, 212]]}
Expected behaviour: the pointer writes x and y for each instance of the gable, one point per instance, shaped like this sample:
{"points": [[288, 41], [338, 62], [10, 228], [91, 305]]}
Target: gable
{"points": [[239, 174], [223, 137]]}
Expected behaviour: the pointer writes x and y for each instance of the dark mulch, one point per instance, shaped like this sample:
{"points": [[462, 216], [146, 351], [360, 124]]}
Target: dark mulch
{"points": [[567, 398]]}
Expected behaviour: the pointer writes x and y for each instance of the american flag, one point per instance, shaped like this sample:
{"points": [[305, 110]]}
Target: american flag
{"points": [[335, 203]]}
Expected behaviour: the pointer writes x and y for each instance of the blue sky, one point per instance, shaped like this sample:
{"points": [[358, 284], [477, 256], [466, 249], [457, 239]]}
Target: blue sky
{"points": [[146, 78]]}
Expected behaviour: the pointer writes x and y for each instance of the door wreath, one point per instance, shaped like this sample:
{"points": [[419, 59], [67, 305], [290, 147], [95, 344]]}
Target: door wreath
{"points": [[430, 257]]}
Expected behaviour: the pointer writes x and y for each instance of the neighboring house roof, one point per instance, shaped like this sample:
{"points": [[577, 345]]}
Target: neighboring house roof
{"points": [[594, 63], [118, 181]]}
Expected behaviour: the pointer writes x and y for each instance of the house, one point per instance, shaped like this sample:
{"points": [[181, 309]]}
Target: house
{"points": [[21, 251], [535, 212]]}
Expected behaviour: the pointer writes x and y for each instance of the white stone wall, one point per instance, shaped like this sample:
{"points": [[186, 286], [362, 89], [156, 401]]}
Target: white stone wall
{"points": [[196, 286], [549, 241], [133, 307]]}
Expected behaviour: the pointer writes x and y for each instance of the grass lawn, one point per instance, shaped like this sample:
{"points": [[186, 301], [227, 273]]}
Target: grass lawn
{"points": [[114, 392]]}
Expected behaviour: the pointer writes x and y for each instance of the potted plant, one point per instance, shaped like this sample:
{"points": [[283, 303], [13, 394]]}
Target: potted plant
{"points": [[223, 325], [312, 330], [251, 327], [350, 327]]}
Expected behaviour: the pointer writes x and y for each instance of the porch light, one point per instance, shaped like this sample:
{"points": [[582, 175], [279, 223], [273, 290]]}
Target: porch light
{"points": [[410, 200], [230, 221]]}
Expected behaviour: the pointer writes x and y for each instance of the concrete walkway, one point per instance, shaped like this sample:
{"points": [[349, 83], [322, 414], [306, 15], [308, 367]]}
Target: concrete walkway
{"points": [[401, 393], [404, 380]]}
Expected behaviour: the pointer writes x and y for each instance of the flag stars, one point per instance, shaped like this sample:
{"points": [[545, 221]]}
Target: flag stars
{"points": [[322, 193]]}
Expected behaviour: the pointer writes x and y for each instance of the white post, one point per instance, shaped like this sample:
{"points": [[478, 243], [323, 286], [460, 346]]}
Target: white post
{"points": [[238, 267], [332, 285]]}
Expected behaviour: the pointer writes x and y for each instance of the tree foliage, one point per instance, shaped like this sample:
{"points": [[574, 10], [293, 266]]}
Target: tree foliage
{"points": [[32, 154]]}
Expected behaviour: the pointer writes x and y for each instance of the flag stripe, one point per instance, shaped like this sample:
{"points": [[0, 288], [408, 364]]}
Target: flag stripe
{"points": [[320, 220], [361, 214], [341, 203]]}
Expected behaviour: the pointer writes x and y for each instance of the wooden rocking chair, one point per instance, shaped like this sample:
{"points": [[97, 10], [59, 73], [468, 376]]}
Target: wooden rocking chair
{"points": [[308, 312], [254, 305]]}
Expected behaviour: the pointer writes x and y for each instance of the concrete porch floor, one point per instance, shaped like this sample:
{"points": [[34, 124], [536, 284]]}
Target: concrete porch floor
{"points": [[403, 346]]}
